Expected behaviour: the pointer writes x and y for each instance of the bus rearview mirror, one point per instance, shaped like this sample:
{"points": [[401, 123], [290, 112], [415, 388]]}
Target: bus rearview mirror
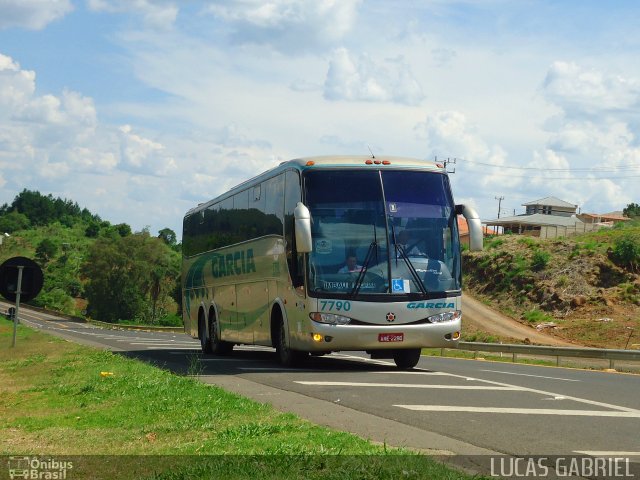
{"points": [[475, 226], [302, 228]]}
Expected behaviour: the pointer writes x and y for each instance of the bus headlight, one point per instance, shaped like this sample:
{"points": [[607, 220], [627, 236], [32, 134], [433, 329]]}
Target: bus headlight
{"points": [[445, 317], [330, 318]]}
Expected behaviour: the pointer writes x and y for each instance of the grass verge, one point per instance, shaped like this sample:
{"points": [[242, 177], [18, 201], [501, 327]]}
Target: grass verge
{"points": [[61, 399]]}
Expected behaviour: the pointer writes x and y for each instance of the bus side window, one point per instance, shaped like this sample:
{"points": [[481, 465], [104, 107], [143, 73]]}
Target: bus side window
{"points": [[292, 196]]}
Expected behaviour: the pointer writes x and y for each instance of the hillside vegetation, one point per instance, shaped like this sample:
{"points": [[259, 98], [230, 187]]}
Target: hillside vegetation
{"points": [[585, 289], [91, 266]]}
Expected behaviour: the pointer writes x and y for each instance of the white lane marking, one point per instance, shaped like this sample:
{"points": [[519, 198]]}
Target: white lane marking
{"points": [[526, 389], [167, 347], [270, 369], [536, 376], [224, 360], [552, 394], [606, 453], [368, 360], [405, 372], [156, 344], [405, 385], [521, 411]]}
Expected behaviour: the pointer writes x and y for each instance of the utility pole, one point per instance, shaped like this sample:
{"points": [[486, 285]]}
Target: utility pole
{"points": [[499, 204]]}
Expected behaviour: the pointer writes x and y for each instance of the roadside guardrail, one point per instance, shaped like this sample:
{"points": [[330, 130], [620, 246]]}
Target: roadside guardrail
{"points": [[548, 351]]}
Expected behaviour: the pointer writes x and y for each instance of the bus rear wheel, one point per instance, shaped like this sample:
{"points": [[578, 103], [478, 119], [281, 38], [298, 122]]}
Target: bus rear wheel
{"points": [[202, 335], [288, 357], [217, 346], [406, 359]]}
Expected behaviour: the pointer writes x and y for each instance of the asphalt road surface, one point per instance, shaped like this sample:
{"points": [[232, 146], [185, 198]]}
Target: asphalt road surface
{"points": [[443, 406]]}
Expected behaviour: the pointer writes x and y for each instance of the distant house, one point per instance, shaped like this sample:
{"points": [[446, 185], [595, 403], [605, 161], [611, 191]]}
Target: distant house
{"points": [[551, 206], [603, 218], [547, 217]]}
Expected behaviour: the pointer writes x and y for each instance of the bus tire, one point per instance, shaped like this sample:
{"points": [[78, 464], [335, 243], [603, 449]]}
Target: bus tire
{"points": [[406, 359], [205, 345], [287, 357], [217, 346]]}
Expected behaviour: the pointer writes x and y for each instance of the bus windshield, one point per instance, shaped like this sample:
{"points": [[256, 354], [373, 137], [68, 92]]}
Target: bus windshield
{"points": [[381, 232]]}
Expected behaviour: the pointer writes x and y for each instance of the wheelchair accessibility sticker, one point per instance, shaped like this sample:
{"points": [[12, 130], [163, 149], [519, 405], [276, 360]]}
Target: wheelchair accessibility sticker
{"points": [[400, 285]]}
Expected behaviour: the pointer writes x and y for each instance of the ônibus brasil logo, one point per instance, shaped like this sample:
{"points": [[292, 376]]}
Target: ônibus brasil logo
{"points": [[38, 468]]}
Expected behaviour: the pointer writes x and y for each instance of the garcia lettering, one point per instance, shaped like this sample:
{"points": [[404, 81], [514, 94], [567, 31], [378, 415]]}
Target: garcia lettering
{"points": [[431, 305], [236, 263]]}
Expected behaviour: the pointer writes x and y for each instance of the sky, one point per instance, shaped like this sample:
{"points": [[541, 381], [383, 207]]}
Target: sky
{"points": [[141, 109]]}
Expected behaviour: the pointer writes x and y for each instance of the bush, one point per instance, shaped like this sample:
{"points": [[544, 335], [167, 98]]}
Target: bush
{"points": [[540, 260], [626, 252], [495, 243], [55, 299]]}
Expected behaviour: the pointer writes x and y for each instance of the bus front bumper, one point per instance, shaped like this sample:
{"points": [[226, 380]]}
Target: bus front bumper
{"points": [[324, 337]]}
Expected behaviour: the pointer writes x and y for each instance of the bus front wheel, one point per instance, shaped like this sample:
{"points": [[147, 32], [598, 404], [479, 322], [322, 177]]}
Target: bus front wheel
{"points": [[406, 359], [288, 357]]}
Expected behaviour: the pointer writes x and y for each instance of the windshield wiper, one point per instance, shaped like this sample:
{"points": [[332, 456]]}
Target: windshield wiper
{"points": [[416, 278], [399, 248], [365, 265]]}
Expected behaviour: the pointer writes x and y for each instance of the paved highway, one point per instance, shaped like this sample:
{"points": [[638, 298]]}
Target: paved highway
{"points": [[445, 405]]}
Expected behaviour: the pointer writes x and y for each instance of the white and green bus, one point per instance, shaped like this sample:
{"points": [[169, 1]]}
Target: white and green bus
{"points": [[328, 254]]}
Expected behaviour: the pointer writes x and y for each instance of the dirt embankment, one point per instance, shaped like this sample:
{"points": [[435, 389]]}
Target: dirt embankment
{"points": [[478, 317], [571, 291]]}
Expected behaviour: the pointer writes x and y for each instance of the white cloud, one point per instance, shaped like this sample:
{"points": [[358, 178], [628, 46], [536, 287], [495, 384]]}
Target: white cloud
{"points": [[16, 85], [580, 91], [159, 14], [362, 79], [32, 14], [595, 131], [56, 136], [139, 154], [449, 135], [287, 25]]}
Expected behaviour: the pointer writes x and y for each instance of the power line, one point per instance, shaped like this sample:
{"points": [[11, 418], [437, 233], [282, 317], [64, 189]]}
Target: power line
{"points": [[590, 169], [542, 177]]}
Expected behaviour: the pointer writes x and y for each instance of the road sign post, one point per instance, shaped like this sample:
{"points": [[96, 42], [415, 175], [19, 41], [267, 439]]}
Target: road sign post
{"points": [[20, 279], [18, 292]]}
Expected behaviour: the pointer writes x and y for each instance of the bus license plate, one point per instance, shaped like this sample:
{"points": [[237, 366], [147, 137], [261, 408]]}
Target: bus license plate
{"points": [[391, 337]]}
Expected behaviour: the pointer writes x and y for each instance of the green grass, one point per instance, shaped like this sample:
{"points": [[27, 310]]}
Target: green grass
{"points": [[536, 316], [59, 398]]}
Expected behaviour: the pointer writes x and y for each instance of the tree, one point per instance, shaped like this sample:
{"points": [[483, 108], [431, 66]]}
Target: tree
{"points": [[168, 236], [130, 278], [123, 229], [92, 230], [45, 209], [46, 250], [632, 210], [13, 221]]}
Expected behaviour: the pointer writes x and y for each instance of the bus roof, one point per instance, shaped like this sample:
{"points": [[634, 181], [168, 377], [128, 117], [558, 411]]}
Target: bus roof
{"points": [[330, 162]]}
